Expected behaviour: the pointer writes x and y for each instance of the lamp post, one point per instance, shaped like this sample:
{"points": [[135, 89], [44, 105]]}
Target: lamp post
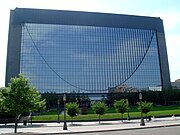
{"points": [[58, 102], [65, 125], [142, 119]]}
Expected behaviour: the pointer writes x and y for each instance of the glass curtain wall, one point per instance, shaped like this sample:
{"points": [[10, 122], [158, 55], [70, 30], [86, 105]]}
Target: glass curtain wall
{"points": [[89, 59]]}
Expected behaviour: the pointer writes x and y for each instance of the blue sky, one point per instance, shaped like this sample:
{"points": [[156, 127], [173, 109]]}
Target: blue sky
{"points": [[168, 10]]}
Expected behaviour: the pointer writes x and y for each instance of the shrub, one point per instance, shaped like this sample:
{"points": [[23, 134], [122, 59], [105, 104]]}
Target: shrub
{"points": [[99, 108], [121, 106], [72, 110], [145, 107]]}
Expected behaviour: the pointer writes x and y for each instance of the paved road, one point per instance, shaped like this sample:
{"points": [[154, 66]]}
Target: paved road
{"points": [[150, 131]]}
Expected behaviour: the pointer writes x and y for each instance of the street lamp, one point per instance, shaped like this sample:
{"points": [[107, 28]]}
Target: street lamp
{"points": [[65, 125], [142, 119], [58, 102]]}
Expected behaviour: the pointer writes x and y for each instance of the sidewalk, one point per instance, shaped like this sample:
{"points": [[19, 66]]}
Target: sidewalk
{"points": [[88, 127]]}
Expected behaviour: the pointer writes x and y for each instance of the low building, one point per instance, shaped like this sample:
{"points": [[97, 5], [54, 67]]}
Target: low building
{"points": [[176, 84]]}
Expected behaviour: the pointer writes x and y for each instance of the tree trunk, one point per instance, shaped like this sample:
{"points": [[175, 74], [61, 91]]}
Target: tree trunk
{"points": [[16, 124]]}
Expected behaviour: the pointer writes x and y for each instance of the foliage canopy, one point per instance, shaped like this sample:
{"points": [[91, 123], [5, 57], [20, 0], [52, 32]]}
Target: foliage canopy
{"points": [[99, 108], [72, 109], [121, 106], [21, 97], [145, 107]]}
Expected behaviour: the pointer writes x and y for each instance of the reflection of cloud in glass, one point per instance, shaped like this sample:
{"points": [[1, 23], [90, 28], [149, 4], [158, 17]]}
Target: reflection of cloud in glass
{"points": [[94, 58]]}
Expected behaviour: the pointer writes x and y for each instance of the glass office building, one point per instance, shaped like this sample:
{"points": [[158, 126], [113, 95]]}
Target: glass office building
{"points": [[83, 52]]}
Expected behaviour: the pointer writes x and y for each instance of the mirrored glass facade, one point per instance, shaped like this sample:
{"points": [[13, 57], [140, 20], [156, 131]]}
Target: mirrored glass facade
{"points": [[72, 58], [83, 52]]}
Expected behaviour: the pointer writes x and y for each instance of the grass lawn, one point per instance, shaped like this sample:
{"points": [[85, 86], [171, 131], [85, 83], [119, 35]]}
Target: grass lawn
{"points": [[111, 114], [112, 110]]}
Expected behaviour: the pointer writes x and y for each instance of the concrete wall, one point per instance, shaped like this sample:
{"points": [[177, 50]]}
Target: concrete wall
{"points": [[14, 49], [86, 18], [164, 65]]}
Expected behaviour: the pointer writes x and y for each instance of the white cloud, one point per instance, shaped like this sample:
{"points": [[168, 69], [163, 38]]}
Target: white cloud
{"points": [[173, 47], [171, 19]]}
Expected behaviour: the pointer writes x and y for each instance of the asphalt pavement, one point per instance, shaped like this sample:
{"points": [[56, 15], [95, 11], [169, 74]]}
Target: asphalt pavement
{"points": [[173, 130], [89, 127]]}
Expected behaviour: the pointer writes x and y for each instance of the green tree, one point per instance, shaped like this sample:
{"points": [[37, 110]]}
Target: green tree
{"points": [[99, 108], [21, 98], [72, 110], [3, 94], [121, 106], [1, 100], [145, 107]]}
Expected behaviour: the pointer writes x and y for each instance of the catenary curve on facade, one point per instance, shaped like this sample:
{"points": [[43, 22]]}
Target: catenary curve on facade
{"points": [[89, 90]]}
